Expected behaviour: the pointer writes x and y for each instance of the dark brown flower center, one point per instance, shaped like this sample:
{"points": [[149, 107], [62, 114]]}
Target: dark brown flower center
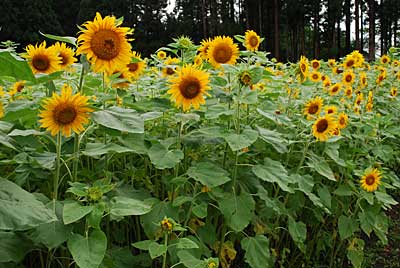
{"points": [[105, 44], [313, 108], [335, 89], [253, 41], [349, 78], [133, 67], [246, 79], [330, 111], [342, 121], [20, 87], [170, 71], [322, 125], [190, 88], [41, 62], [222, 53], [315, 76], [64, 59], [65, 115], [350, 63], [370, 179], [315, 65], [303, 67]]}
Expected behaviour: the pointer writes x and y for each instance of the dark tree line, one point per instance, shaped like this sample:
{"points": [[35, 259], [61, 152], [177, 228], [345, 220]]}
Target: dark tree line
{"points": [[319, 29]]}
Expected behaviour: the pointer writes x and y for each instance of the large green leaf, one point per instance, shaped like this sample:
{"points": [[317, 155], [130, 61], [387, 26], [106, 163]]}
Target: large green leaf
{"points": [[51, 234], [126, 120], [13, 246], [96, 149], [273, 171], [238, 210], [189, 260], [347, 227], [298, 231], [162, 157], [74, 211], [65, 39], [20, 210], [11, 65], [274, 138], [321, 166], [125, 206], [242, 140], [257, 252], [355, 252], [156, 250], [88, 251], [208, 174]]}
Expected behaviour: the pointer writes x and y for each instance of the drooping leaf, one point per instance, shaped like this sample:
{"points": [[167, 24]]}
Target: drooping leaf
{"points": [[20, 210], [126, 120], [96, 149], [208, 174], [347, 226], [74, 211], [125, 206], [321, 166], [88, 251], [162, 157], [14, 66], [273, 171], [13, 246], [274, 138], [242, 140], [257, 252]]}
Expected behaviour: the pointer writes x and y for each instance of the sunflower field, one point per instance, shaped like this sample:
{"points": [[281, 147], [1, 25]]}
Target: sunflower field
{"points": [[199, 156]]}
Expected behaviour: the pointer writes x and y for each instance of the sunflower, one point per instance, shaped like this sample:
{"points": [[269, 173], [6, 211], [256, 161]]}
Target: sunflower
{"points": [[327, 81], [358, 58], [1, 110], [356, 109], [324, 127], [343, 120], [363, 79], [315, 64], [222, 50], [2, 93], [303, 65], [245, 78], [349, 62], [331, 63], [337, 70], [348, 91], [204, 46], [359, 99], [105, 44], [171, 65], [333, 90], [315, 76], [331, 109], [136, 66], [369, 106], [348, 77], [384, 59], [380, 78], [371, 179], [393, 92], [313, 107], [161, 54], [65, 53], [396, 63], [251, 40], [188, 87], [198, 61], [65, 113], [42, 59], [124, 77], [17, 88]]}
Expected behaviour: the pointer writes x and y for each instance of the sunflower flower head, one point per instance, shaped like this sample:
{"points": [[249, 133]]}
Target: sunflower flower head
{"points": [[348, 77], [303, 68], [324, 127], [65, 53], [315, 64], [105, 44], [41, 59], [315, 76], [371, 180], [343, 120], [222, 50], [334, 89], [393, 92], [313, 107], [251, 40], [204, 46], [385, 59], [136, 66], [189, 87], [65, 113], [171, 66]]}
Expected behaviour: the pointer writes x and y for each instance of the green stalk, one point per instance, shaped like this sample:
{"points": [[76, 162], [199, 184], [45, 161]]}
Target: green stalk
{"points": [[165, 253], [76, 157], [57, 174]]}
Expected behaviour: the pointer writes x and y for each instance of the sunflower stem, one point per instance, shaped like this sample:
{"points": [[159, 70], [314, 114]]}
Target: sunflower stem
{"points": [[165, 253], [57, 174], [80, 88], [76, 157]]}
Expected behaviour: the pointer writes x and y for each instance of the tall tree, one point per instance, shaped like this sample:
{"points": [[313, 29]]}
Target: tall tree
{"points": [[357, 23], [371, 20], [347, 12]]}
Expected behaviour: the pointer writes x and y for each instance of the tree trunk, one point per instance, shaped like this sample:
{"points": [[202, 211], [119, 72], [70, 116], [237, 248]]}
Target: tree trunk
{"points": [[338, 38], [204, 18], [371, 15], [357, 19], [395, 33], [276, 29], [347, 7], [361, 26], [316, 30]]}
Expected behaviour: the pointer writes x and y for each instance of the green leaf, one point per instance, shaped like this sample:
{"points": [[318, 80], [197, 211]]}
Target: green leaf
{"points": [[88, 251], [215, 111], [332, 150], [385, 198], [25, 132], [347, 227], [94, 218], [189, 260], [96, 149], [20, 210], [66, 39], [13, 247], [156, 250], [143, 245], [355, 253], [273, 171], [243, 140], [135, 142], [20, 110], [321, 166], [343, 190], [74, 211], [126, 120], [248, 96], [208, 174], [325, 196], [163, 158], [298, 231], [186, 243], [274, 139], [238, 210], [125, 206], [51, 234], [200, 210], [257, 252], [14, 66]]}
